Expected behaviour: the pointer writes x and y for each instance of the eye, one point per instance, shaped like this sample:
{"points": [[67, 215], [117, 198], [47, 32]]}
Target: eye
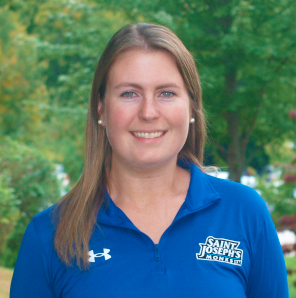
{"points": [[167, 93], [128, 94]]}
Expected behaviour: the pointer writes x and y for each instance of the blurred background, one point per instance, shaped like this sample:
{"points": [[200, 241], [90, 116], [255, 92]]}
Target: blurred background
{"points": [[245, 52]]}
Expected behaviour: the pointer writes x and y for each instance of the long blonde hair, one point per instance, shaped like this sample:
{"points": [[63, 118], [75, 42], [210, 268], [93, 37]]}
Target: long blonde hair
{"points": [[76, 213]]}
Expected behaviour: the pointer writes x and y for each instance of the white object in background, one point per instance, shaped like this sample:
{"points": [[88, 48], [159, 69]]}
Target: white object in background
{"points": [[220, 174], [245, 179], [248, 180], [287, 237]]}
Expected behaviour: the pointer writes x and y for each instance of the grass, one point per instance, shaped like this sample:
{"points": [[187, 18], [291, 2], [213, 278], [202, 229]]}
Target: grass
{"points": [[291, 264], [6, 274], [5, 278], [292, 288]]}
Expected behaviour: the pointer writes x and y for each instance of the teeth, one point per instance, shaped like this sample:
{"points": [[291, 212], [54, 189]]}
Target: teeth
{"points": [[147, 135]]}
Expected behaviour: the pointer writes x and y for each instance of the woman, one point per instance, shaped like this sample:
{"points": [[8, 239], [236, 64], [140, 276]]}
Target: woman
{"points": [[144, 220]]}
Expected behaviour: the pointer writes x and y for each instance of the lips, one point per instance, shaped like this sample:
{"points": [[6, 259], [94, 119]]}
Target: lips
{"points": [[148, 135]]}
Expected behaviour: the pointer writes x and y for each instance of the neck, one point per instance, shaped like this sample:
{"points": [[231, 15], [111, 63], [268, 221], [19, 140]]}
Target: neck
{"points": [[142, 188]]}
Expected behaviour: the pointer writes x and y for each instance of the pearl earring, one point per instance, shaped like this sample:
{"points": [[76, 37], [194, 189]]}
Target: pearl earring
{"points": [[100, 122], [192, 120]]}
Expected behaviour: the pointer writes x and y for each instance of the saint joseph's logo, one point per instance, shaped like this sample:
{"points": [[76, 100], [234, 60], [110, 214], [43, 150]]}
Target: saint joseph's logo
{"points": [[221, 250], [105, 254]]}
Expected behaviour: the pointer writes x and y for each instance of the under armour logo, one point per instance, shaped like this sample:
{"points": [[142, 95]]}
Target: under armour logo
{"points": [[105, 254]]}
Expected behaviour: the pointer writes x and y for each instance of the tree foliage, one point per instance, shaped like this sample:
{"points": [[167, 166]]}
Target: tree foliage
{"points": [[245, 52], [9, 212], [27, 187], [71, 37], [20, 78]]}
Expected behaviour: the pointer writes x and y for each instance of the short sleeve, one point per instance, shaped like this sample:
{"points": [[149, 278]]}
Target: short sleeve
{"points": [[30, 278], [268, 275]]}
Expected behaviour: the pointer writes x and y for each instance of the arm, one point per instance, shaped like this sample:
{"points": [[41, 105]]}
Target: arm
{"points": [[268, 275], [30, 278]]}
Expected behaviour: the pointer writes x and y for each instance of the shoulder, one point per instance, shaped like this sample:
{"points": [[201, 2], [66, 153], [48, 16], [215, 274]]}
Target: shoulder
{"points": [[42, 227], [237, 195], [44, 218], [242, 209], [233, 189], [229, 196]]}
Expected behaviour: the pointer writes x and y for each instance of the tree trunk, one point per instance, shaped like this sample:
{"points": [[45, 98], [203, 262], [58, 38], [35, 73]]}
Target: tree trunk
{"points": [[235, 158]]}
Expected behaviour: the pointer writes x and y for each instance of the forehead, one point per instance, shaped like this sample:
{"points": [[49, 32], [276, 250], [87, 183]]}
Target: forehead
{"points": [[139, 66]]}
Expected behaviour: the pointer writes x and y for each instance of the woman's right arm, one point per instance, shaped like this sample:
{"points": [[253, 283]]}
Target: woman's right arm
{"points": [[30, 278]]}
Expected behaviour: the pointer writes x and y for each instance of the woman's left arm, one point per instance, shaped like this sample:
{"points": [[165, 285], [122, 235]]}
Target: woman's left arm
{"points": [[268, 274]]}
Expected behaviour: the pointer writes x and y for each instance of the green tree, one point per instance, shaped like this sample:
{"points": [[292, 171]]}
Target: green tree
{"points": [[20, 79], [245, 52], [9, 212], [71, 36], [29, 186], [280, 192]]}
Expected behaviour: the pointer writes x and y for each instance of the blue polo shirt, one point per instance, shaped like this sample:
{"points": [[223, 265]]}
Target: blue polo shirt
{"points": [[222, 243]]}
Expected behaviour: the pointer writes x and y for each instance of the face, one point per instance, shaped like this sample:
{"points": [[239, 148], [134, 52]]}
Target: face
{"points": [[146, 109]]}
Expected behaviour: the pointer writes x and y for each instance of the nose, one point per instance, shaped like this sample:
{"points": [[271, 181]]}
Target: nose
{"points": [[149, 109]]}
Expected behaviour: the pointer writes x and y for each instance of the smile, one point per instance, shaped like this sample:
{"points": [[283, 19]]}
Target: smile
{"points": [[147, 135]]}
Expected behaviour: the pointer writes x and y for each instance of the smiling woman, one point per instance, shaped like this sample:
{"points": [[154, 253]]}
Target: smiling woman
{"points": [[145, 220]]}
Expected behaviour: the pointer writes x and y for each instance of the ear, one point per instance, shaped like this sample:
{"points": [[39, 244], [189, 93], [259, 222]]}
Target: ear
{"points": [[101, 112]]}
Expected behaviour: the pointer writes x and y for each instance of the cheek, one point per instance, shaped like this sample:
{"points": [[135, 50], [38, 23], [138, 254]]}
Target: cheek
{"points": [[113, 115], [180, 119], [117, 120]]}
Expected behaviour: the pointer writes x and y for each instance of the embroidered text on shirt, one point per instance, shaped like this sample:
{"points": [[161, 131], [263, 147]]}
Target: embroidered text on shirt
{"points": [[221, 250]]}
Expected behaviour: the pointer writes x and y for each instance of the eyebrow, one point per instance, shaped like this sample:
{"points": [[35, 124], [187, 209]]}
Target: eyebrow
{"points": [[127, 84]]}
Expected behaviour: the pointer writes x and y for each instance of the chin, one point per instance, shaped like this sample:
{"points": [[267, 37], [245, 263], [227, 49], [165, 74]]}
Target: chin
{"points": [[152, 162]]}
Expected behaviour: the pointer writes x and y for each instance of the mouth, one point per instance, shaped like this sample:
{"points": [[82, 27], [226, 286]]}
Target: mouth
{"points": [[148, 135]]}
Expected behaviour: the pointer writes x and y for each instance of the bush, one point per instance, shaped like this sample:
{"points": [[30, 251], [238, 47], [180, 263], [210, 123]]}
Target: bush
{"points": [[9, 212], [29, 186], [279, 197]]}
